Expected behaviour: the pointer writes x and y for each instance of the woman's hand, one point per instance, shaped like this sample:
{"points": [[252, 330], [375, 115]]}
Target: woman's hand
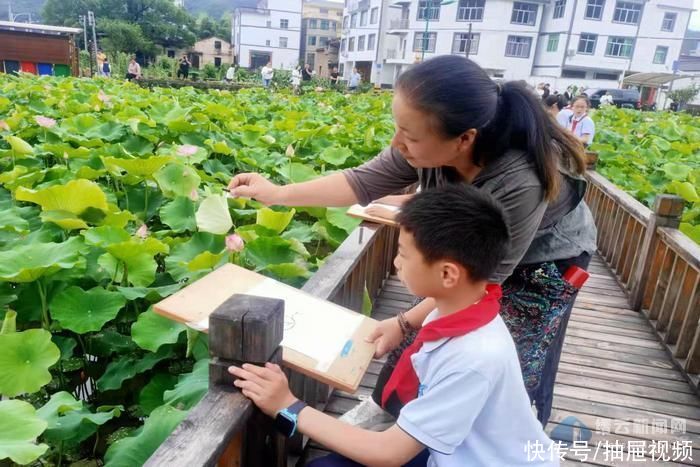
{"points": [[266, 386], [387, 335], [252, 185], [378, 211], [394, 200]]}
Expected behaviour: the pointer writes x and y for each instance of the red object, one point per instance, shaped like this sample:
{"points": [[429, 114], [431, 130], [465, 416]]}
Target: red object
{"points": [[576, 276], [404, 381], [28, 67]]}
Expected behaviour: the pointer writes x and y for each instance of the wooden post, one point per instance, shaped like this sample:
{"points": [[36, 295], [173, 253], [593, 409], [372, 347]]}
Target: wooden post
{"points": [[247, 329], [666, 213]]}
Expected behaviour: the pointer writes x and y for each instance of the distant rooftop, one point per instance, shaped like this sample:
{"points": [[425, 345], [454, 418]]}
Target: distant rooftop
{"points": [[37, 28]]}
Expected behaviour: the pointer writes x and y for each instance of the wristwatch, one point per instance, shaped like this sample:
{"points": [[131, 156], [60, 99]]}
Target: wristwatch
{"points": [[286, 419]]}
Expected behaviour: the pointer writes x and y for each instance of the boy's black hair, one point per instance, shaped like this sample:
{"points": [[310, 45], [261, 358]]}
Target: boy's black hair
{"points": [[461, 223]]}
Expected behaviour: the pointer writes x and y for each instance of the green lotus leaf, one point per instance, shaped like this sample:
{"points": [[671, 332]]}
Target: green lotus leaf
{"points": [[11, 221], [338, 218], [25, 361], [213, 215], [109, 341], [137, 255], [190, 387], [335, 155], [330, 233], [692, 231], [289, 270], [27, 263], [142, 168], [151, 396], [64, 219], [179, 214], [66, 345], [299, 231], [178, 262], [297, 172], [135, 450], [19, 428], [19, 146], [151, 294], [264, 251], [177, 180], [9, 323], [83, 311], [685, 190], [127, 367], [105, 235], [207, 261], [220, 147], [676, 171], [274, 220], [252, 231], [75, 197], [69, 421], [151, 331]]}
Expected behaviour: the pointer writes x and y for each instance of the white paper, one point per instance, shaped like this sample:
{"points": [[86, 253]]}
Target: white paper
{"points": [[308, 329]]}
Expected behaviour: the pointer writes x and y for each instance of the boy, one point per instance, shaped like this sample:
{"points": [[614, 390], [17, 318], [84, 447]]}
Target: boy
{"points": [[465, 400]]}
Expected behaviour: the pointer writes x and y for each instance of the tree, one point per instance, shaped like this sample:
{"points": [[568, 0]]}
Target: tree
{"points": [[684, 95], [120, 36]]}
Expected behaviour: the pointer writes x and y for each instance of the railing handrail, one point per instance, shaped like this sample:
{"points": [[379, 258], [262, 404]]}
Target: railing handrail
{"points": [[627, 201]]}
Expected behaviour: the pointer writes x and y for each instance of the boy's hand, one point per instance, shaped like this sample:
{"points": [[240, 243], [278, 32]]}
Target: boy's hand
{"points": [[266, 386], [387, 335]]}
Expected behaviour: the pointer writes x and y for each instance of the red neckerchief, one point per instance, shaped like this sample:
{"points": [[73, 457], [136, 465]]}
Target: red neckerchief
{"points": [[575, 122], [404, 381]]}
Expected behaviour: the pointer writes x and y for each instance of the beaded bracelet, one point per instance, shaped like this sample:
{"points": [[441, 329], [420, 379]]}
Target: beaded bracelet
{"points": [[403, 323]]}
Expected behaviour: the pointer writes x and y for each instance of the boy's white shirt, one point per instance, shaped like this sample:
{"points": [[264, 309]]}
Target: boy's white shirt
{"points": [[473, 409]]}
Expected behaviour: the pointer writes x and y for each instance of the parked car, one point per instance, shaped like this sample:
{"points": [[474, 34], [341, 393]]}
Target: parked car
{"points": [[626, 98]]}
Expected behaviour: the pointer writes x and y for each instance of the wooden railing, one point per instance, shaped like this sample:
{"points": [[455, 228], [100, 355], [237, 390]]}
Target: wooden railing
{"points": [[224, 428], [657, 265]]}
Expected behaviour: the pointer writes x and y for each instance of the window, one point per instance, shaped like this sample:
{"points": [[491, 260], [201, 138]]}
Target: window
{"points": [[345, 22], [669, 22], [284, 24], [518, 46], [553, 42], [312, 40], [462, 40], [361, 43], [660, 55], [267, 42], [323, 41], [324, 24], [171, 54], [429, 10], [313, 24], [524, 13], [594, 9], [334, 25], [620, 47], [559, 8], [470, 10], [608, 76], [423, 42], [353, 20], [311, 59], [363, 18], [374, 15], [573, 74], [217, 61], [283, 42], [586, 43], [371, 41], [341, 69], [217, 45], [323, 11], [627, 12], [351, 45], [343, 45]]}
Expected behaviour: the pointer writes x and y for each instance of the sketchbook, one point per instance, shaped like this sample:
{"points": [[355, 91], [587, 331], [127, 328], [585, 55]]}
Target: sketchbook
{"points": [[360, 212]]}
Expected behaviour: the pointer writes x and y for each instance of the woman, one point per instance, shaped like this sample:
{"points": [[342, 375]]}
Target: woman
{"points": [[354, 80], [267, 74], [497, 138], [580, 124], [554, 104], [296, 79]]}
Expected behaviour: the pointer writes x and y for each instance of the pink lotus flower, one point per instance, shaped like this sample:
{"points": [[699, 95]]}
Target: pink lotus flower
{"points": [[45, 122], [103, 97], [187, 150], [194, 196], [234, 243], [142, 232], [4, 125]]}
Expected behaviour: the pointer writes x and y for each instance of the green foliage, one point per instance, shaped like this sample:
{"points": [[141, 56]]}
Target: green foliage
{"points": [[649, 153], [118, 205], [684, 95], [123, 36]]}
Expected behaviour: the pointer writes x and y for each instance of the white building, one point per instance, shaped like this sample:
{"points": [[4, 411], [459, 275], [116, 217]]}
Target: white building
{"points": [[586, 42], [267, 30]]}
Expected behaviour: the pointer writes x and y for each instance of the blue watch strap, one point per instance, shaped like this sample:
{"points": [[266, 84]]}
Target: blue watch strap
{"points": [[296, 407]]}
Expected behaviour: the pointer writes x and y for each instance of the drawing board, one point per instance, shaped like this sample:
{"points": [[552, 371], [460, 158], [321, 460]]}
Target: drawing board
{"points": [[359, 211], [321, 339]]}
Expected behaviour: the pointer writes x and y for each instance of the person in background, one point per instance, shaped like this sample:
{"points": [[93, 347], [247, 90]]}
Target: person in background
{"points": [[554, 104], [580, 124], [296, 79], [306, 73], [354, 80], [134, 70], [183, 70], [101, 57], [267, 73], [546, 91], [230, 74], [334, 77], [106, 68], [606, 99], [465, 402]]}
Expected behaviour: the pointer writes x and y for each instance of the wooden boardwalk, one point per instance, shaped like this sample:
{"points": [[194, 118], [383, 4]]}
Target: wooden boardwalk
{"points": [[615, 377]]}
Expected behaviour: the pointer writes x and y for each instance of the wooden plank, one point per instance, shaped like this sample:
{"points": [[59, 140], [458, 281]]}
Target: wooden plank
{"points": [[638, 333], [579, 350], [689, 328], [649, 344], [632, 378], [623, 367], [630, 318], [585, 297], [582, 317], [627, 349], [681, 306], [669, 300]]}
